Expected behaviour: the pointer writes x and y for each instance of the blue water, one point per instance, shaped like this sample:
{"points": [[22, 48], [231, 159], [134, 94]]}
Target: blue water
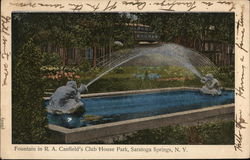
{"points": [[117, 108]]}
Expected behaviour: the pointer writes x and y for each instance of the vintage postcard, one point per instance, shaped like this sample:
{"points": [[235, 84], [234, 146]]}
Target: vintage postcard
{"points": [[125, 79]]}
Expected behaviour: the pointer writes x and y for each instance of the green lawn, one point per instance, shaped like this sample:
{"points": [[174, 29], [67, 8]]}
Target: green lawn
{"points": [[126, 78], [219, 132]]}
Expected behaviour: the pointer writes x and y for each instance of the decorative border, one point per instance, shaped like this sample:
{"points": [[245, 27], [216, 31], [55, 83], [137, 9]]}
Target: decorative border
{"points": [[239, 7]]}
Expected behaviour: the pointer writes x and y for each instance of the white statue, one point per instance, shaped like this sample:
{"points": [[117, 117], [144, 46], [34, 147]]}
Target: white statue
{"points": [[212, 85], [67, 99]]}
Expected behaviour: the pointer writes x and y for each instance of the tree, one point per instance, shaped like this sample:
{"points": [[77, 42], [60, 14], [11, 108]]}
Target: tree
{"points": [[28, 112], [190, 27], [78, 30]]}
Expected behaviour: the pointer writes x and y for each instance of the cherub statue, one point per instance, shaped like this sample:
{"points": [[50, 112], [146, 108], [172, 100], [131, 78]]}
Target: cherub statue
{"points": [[212, 85], [67, 99]]}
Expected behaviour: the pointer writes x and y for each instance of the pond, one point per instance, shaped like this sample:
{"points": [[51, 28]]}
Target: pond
{"points": [[107, 109]]}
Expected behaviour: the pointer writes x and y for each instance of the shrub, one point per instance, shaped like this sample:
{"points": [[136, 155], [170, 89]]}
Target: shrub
{"points": [[85, 66], [52, 59], [28, 113]]}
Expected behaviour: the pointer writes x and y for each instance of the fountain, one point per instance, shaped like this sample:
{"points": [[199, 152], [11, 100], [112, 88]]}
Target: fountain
{"points": [[67, 99], [170, 54]]}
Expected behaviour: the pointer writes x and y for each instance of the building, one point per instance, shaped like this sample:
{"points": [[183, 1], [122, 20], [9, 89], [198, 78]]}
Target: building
{"points": [[142, 35]]}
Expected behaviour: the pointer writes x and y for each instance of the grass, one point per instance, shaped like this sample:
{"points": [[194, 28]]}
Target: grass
{"points": [[123, 78], [218, 132]]}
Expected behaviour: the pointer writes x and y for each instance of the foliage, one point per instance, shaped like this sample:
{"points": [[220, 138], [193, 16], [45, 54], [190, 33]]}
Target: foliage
{"points": [[85, 66], [191, 26], [119, 70], [53, 69], [55, 77], [80, 30], [95, 70], [226, 76], [28, 113], [51, 59], [73, 30], [218, 132]]}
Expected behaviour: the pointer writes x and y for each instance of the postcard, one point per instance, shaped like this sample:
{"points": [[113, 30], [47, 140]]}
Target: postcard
{"points": [[125, 79]]}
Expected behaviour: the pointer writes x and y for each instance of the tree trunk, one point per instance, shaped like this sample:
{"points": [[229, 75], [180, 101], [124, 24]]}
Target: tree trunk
{"points": [[94, 56], [64, 57]]}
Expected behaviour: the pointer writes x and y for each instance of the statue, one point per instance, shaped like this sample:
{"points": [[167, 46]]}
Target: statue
{"points": [[211, 86], [67, 99]]}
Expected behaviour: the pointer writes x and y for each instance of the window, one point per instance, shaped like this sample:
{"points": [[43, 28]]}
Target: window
{"points": [[89, 53]]}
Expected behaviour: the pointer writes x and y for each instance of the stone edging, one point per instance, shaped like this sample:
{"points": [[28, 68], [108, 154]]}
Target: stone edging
{"points": [[90, 133], [137, 92]]}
